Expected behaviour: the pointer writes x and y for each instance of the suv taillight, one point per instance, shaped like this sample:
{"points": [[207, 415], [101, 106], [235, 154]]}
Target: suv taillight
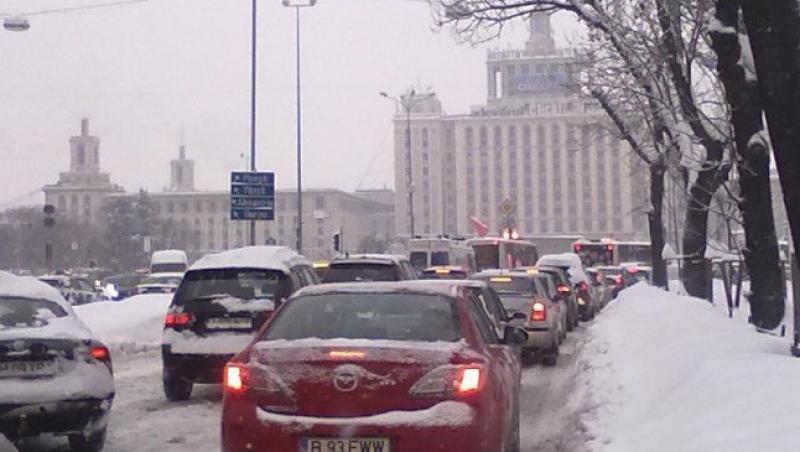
{"points": [[538, 312], [177, 319], [100, 353], [450, 381]]}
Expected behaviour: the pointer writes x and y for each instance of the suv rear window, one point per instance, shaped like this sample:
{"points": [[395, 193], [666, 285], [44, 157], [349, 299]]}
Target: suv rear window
{"points": [[512, 284], [242, 283], [27, 312], [350, 272], [393, 316]]}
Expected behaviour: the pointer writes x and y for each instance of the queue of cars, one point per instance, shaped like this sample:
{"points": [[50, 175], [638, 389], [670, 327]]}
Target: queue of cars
{"points": [[374, 359]]}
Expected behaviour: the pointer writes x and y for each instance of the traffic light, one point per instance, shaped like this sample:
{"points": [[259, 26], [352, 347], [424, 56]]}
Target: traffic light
{"points": [[49, 210], [337, 243]]}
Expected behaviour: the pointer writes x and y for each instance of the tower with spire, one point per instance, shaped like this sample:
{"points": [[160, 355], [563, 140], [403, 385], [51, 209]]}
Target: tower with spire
{"points": [[518, 78], [181, 172], [540, 40], [79, 192]]}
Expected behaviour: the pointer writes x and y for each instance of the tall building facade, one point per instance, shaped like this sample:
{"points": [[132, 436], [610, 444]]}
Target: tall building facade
{"points": [[204, 216], [534, 157]]}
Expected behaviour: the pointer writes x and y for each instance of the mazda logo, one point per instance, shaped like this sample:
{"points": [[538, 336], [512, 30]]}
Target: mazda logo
{"points": [[345, 380]]}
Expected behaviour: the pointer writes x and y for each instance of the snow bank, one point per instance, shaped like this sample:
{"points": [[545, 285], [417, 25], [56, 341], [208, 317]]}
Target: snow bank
{"points": [[669, 372], [444, 414], [133, 324]]}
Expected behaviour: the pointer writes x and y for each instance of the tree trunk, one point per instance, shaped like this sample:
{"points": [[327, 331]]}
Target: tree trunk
{"points": [[655, 218], [695, 232], [752, 161], [774, 30]]}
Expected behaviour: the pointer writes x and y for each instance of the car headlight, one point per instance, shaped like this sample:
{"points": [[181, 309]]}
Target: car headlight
{"points": [[111, 291]]}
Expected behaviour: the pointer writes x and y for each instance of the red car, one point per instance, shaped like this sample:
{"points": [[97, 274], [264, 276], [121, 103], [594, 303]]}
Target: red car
{"points": [[376, 367]]}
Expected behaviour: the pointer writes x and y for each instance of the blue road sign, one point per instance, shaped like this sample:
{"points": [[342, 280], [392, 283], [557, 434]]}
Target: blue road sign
{"points": [[252, 196]]}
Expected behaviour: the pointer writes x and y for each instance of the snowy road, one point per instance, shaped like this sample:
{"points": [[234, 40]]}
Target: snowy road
{"points": [[549, 403], [143, 421]]}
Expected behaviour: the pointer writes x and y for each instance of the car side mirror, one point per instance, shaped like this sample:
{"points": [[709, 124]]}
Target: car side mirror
{"points": [[518, 316], [515, 336]]}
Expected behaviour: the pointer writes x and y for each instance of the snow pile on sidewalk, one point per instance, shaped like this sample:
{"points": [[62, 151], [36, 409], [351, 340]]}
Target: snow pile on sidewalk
{"points": [[672, 373], [133, 324]]}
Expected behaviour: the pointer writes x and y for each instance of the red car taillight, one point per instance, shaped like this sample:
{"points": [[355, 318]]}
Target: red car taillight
{"points": [[235, 377], [618, 280], [564, 290], [538, 312], [177, 319], [449, 381]]}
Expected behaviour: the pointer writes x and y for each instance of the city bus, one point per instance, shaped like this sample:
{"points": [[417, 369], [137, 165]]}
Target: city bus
{"points": [[439, 252], [502, 253], [609, 252]]}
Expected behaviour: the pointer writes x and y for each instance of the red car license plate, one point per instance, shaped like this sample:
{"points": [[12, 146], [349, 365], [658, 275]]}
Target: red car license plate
{"points": [[345, 445]]}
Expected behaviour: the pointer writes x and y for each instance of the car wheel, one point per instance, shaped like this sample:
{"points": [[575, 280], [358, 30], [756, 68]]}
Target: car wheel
{"points": [[91, 443], [528, 357], [176, 389], [550, 358]]}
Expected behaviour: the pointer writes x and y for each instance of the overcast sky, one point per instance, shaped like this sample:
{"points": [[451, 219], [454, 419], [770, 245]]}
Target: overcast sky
{"points": [[140, 71]]}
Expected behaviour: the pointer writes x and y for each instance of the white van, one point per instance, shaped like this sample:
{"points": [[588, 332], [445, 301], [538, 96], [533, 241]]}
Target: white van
{"points": [[169, 262]]}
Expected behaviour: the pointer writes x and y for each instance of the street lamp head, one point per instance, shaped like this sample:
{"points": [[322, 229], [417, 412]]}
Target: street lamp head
{"points": [[383, 94], [16, 23], [299, 3]]}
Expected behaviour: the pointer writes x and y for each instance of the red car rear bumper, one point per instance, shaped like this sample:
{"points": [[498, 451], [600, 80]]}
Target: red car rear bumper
{"points": [[244, 431]]}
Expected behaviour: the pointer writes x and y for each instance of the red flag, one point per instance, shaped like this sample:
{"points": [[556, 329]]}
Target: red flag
{"points": [[480, 228]]}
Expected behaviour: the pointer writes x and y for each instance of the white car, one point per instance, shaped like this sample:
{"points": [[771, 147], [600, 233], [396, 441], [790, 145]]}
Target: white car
{"points": [[159, 284], [55, 377]]}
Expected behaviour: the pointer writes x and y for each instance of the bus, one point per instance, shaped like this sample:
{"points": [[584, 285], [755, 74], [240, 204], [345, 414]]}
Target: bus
{"points": [[502, 253], [609, 252], [438, 252]]}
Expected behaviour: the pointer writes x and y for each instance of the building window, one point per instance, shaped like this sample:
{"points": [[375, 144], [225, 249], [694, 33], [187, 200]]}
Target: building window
{"points": [[198, 206], [319, 202], [424, 137], [184, 206]]}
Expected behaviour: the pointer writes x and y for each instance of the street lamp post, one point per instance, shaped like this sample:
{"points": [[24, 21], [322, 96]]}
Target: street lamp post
{"points": [[407, 102], [297, 4], [253, 106]]}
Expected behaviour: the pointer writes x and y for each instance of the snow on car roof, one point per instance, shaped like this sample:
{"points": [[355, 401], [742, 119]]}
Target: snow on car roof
{"points": [[370, 258], [69, 326], [451, 282], [168, 256], [441, 287], [29, 287], [265, 257], [570, 260]]}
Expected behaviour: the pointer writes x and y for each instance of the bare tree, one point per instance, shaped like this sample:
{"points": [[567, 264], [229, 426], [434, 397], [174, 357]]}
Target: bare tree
{"points": [[659, 42]]}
